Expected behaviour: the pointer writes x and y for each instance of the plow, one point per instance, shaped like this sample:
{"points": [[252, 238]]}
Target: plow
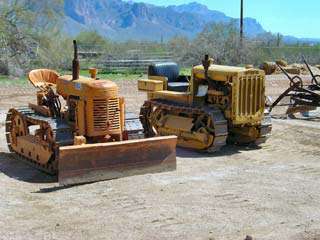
{"points": [[302, 97], [79, 130]]}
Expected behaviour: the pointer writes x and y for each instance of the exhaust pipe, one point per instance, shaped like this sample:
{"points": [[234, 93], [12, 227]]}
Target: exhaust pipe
{"points": [[75, 62]]}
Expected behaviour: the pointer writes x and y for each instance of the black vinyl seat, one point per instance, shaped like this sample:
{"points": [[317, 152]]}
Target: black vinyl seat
{"points": [[171, 71]]}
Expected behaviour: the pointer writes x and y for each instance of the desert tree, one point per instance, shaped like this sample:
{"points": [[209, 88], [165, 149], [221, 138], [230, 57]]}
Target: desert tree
{"points": [[219, 40], [25, 26]]}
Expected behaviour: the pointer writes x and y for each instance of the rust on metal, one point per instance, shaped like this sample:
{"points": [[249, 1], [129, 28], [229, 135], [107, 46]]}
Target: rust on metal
{"points": [[104, 161], [85, 142], [301, 96], [206, 65], [75, 62]]}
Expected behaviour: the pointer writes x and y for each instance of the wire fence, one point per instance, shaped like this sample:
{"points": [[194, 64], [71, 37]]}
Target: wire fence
{"points": [[131, 59]]}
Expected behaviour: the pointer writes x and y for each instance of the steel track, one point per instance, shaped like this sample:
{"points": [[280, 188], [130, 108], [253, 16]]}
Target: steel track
{"points": [[219, 122], [62, 136]]}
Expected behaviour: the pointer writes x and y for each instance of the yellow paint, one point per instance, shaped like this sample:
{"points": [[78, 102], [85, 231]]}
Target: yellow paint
{"points": [[33, 148], [98, 109], [81, 118], [243, 107], [177, 122], [164, 80], [86, 87], [223, 73], [181, 97], [150, 85]]}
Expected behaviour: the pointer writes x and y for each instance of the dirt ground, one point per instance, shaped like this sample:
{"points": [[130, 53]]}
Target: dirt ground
{"points": [[270, 192]]}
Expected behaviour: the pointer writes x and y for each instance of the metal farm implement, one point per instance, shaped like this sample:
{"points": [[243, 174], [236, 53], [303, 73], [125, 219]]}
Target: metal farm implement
{"points": [[303, 97]]}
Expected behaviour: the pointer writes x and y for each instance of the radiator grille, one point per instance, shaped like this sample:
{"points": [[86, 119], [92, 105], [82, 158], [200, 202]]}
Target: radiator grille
{"points": [[251, 95], [106, 114], [114, 113]]}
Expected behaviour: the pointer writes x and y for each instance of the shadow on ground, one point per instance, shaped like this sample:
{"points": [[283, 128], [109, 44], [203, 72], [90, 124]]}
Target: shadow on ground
{"points": [[58, 188], [21, 171], [13, 168], [225, 151], [301, 118]]}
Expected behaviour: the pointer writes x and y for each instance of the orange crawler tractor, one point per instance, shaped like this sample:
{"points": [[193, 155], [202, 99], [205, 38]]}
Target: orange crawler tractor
{"points": [[87, 139]]}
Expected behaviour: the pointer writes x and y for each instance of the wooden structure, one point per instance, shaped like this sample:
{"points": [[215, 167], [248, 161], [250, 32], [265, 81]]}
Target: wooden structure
{"points": [[134, 59]]}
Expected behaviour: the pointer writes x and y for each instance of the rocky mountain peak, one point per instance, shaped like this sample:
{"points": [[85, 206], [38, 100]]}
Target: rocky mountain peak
{"points": [[124, 20]]}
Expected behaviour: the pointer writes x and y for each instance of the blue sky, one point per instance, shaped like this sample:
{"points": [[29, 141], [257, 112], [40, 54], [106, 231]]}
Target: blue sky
{"points": [[289, 17]]}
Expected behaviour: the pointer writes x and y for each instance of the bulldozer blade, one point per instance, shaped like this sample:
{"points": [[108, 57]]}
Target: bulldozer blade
{"points": [[104, 161]]}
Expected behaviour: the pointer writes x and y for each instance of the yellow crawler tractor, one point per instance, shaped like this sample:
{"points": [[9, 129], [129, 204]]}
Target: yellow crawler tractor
{"points": [[215, 105], [87, 139]]}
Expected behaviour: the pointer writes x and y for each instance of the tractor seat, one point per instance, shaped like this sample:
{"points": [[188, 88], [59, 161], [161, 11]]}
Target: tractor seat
{"points": [[171, 71], [39, 77]]}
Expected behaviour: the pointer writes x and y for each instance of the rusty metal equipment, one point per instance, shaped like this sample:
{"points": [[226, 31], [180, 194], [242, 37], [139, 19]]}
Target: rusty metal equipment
{"points": [[222, 103], [303, 97], [79, 130]]}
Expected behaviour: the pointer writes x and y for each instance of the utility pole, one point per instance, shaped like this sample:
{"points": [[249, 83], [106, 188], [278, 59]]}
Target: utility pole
{"points": [[241, 24], [278, 40], [240, 48]]}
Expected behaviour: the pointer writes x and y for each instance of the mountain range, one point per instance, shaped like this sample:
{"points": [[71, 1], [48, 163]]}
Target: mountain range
{"points": [[125, 20], [122, 20]]}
